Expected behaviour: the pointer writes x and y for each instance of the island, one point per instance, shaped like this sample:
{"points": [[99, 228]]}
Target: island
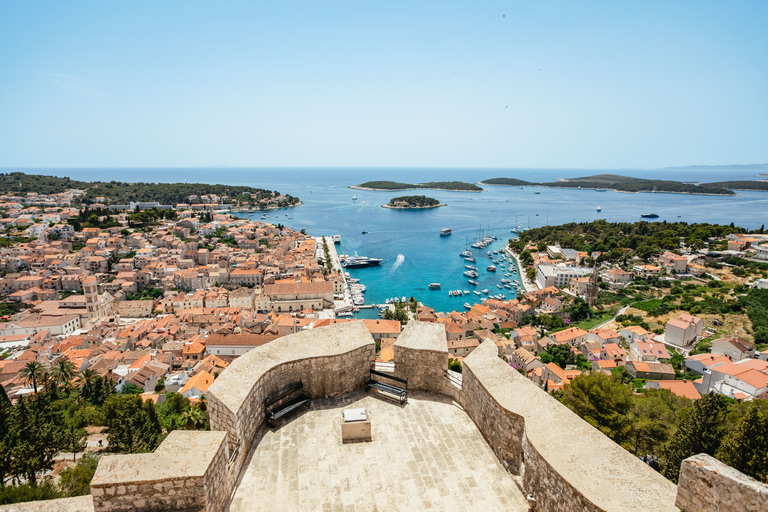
{"points": [[459, 186], [118, 192], [413, 203], [622, 184]]}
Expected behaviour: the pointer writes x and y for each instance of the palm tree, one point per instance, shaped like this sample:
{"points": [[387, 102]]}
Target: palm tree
{"points": [[63, 371], [33, 372], [86, 382]]}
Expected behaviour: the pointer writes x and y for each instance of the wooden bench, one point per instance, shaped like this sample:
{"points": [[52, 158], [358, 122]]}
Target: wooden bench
{"points": [[289, 398], [401, 393]]}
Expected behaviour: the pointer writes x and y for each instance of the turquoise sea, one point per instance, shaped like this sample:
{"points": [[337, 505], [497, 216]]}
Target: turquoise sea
{"points": [[409, 242]]}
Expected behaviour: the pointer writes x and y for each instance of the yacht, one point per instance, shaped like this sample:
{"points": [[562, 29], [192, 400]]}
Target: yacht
{"points": [[466, 305], [445, 232], [466, 253], [491, 268], [472, 281], [360, 261], [599, 208], [434, 286]]}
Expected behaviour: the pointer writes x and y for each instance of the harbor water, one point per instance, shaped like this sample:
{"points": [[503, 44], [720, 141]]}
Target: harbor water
{"points": [[409, 242]]}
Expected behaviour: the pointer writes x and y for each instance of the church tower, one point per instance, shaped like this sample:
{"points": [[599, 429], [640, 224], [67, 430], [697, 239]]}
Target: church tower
{"points": [[91, 292], [590, 297]]}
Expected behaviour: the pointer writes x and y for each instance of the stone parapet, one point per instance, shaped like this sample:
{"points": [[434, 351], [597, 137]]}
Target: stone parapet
{"points": [[565, 463], [708, 485], [186, 472], [421, 356], [329, 361]]}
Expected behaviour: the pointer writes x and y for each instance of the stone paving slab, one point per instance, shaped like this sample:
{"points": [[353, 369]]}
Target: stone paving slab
{"points": [[425, 455]]}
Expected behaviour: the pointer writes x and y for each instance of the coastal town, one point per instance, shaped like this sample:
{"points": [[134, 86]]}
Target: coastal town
{"points": [[156, 302]]}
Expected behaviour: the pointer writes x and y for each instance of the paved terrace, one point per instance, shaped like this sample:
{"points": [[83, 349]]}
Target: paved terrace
{"points": [[425, 455]]}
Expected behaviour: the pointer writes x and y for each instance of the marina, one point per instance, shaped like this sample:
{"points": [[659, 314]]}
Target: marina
{"points": [[408, 242]]}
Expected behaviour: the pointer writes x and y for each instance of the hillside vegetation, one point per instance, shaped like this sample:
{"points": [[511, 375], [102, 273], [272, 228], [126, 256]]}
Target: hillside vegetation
{"points": [[623, 184], [742, 185], [435, 185], [117, 192], [620, 239], [414, 201]]}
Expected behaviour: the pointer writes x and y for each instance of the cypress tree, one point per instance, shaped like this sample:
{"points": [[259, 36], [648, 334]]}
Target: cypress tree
{"points": [[745, 447], [701, 431]]}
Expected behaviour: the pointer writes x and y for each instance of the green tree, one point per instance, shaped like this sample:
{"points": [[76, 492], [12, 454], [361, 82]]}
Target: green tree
{"points": [[603, 402], [744, 448], [700, 431], [77, 481], [63, 371], [33, 372], [653, 415], [86, 383], [132, 426], [7, 436], [73, 434]]}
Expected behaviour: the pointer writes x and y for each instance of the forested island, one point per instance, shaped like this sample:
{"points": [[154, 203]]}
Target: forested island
{"points": [[412, 202], [742, 185], [622, 184], [434, 185], [118, 192]]}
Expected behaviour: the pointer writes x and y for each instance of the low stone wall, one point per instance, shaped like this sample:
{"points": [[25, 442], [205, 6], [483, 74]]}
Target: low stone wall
{"points": [[421, 356], [78, 504], [186, 472], [565, 463], [708, 485], [330, 361]]}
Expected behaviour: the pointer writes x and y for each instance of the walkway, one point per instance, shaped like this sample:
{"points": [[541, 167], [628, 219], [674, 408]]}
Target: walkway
{"points": [[425, 455]]}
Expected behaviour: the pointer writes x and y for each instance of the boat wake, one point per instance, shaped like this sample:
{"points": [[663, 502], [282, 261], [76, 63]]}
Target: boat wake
{"points": [[399, 261]]}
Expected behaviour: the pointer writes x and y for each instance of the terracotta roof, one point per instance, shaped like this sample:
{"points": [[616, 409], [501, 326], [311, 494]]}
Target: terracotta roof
{"points": [[679, 387]]}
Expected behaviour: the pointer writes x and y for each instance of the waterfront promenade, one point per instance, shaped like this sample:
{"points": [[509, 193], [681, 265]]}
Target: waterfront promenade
{"points": [[345, 304], [527, 283]]}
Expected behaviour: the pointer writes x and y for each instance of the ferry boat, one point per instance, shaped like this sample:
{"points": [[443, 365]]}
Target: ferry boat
{"points": [[360, 261], [445, 232], [336, 239], [434, 286], [649, 215]]}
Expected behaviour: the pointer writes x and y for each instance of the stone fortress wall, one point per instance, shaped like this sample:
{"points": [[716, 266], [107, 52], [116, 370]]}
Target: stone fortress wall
{"points": [[559, 461]]}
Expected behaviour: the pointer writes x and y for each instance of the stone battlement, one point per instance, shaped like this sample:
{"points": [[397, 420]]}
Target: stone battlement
{"points": [[558, 460]]}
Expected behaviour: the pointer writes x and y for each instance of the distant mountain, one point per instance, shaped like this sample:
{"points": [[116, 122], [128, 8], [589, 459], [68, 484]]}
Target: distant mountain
{"points": [[731, 167]]}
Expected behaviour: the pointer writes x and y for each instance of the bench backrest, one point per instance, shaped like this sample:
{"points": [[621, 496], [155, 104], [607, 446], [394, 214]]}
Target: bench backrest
{"points": [[288, 390], [389, 376]]}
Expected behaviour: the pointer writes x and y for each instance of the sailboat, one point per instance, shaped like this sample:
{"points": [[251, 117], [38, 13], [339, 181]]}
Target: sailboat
{"points": [[354, 197]]}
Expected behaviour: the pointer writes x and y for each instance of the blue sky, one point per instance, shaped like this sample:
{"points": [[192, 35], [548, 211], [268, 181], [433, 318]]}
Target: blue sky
{"points": [[551, 84]]}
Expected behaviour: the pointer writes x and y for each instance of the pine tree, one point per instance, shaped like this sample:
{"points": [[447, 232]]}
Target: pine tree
{"points": [[73, 435], [701, 431], [7, 435], [745, 447]]}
